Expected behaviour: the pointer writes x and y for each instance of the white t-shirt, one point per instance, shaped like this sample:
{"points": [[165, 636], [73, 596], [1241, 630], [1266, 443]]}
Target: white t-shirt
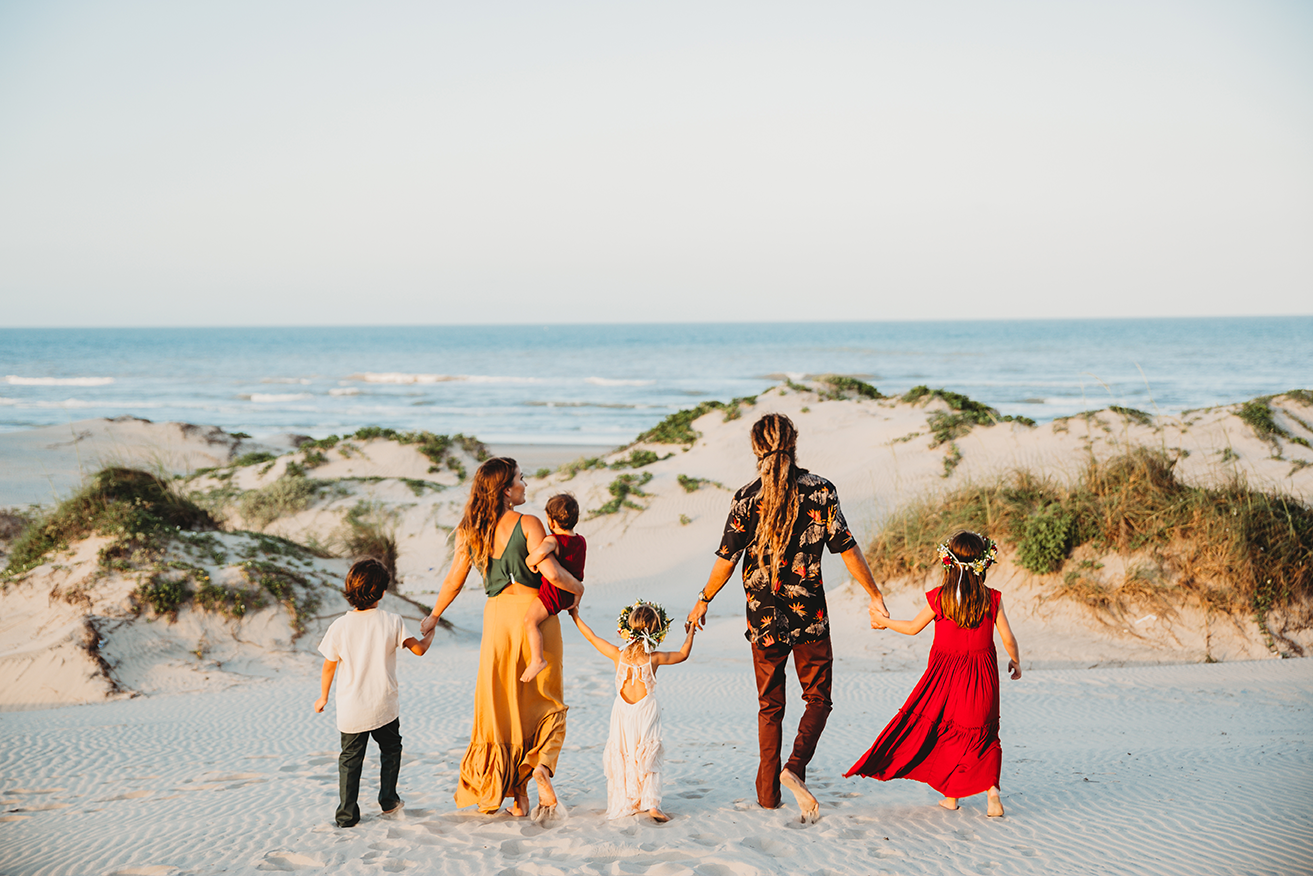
{"points": [[364, 645]]}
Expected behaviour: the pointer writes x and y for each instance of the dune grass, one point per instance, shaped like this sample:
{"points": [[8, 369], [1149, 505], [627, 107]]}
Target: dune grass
{"points": [[438, 448], [371, 532], [678, 427], [1258, 415], [621, 489], [1229, 547], [837, 386], [136, 507]]}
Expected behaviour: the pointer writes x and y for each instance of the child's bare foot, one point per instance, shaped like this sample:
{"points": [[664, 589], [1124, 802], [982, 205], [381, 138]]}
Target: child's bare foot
{"points": [[811, 810], [533, 669], [521, 806], [543, 779], [949, 803], [657, 815], [995, 804]]}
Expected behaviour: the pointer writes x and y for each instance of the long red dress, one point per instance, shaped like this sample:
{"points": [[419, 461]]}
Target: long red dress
{"points": [[946, 734]]}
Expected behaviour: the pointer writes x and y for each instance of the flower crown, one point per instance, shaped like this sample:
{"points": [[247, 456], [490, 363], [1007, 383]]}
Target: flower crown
{"points": [[651, 638], [978, 565]]}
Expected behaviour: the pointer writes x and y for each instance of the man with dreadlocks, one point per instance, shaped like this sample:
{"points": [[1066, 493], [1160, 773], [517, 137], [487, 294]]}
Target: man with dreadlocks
{"points": [[778, 525]]}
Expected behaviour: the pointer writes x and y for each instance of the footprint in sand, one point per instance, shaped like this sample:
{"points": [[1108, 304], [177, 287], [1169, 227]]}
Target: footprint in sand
{"points": [[283, 860], [131, 795], [730, 868], [771, 847], [1026, 851]]}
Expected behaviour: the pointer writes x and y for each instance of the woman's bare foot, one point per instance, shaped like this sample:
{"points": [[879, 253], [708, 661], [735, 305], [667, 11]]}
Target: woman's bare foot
{"points": [[542, 777], [995, 804], [521, 806], [811, 810], [657, 815], [532, 670], [948, 802]]}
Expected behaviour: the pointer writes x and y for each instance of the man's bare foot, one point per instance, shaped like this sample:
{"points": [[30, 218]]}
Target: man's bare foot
{"points": [[811, 810], [995, 804], [657, 815], [542, 777], [532, 670], [521, 806], [400, 805]]}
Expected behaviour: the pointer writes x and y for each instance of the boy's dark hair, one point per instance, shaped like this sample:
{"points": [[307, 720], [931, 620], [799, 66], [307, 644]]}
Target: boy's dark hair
{"points": [[563, 510], [366, 583]]}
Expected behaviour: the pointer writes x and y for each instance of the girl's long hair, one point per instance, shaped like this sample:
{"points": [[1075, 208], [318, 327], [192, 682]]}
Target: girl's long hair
{"points": [[965, 603], [485, 506], [775, 442]]}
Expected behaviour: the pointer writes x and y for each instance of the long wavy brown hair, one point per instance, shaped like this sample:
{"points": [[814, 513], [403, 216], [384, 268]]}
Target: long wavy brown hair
{"points": [[775, 442], [970, 608], [485, 506]]}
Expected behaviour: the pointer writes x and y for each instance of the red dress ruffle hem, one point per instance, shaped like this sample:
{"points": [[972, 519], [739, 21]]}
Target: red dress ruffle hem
{"points": [[946, 734]]}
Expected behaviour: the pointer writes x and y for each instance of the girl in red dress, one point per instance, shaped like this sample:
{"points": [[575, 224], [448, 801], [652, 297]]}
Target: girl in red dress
{"points": [[946, 734]]}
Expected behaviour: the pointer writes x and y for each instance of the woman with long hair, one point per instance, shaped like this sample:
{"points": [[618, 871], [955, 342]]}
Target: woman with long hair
{"points": [[519, 728], [946, 734], [779, 525]]}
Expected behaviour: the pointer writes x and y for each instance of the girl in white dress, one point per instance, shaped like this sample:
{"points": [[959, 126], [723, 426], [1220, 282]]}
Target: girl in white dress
{"points": [[634, 754]]}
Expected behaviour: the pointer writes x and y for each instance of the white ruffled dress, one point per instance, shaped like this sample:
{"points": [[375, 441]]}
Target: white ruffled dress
{"points": [[634, 755]]}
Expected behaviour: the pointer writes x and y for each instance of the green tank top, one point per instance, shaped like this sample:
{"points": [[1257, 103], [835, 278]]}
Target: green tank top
{"points": [[510, 566]]}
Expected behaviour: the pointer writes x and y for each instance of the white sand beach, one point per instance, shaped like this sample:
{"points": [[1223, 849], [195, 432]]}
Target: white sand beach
{"points": [[1163, 741]]}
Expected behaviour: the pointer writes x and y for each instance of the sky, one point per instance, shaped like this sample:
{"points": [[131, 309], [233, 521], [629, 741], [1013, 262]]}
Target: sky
{"points": [[338, 163]]}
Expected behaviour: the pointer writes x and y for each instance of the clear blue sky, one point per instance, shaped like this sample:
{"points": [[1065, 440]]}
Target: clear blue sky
{"points": [[167, 163]]}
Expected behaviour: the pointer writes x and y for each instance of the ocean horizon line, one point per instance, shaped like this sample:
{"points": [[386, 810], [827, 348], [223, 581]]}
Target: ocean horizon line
{"points": [[663, 323]]}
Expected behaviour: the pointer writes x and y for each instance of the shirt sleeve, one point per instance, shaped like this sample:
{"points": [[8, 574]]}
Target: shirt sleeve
{"points": [[401, 631], [735, 538], [837, 537], [328, 647]]}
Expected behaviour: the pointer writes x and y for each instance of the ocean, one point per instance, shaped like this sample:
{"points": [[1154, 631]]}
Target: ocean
{"points": [[603, 384]]}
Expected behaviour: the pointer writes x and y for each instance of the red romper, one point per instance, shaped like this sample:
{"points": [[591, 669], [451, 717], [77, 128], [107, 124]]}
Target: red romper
{"points": [[570, 553]]}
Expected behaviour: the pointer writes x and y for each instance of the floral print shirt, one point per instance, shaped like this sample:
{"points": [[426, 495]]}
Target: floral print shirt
{"points": [[793, 612]]}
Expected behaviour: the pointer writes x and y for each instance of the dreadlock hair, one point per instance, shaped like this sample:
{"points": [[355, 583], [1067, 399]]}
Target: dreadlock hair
{"points": [[643, 619], [962, 596], [485, 506], [775, 442]]}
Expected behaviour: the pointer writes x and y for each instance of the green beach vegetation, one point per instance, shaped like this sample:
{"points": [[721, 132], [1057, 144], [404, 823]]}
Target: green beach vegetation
{"points": [[621, 489], [1231, 548]]}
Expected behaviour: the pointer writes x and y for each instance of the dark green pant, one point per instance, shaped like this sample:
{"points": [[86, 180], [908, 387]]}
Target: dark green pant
{"points": [[352, 761]]}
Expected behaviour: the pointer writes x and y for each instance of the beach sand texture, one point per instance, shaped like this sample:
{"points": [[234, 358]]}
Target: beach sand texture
{"points": [[1123, 753]]}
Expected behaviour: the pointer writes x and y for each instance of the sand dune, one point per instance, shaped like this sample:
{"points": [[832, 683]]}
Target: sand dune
{"points": [[1123, 752]]}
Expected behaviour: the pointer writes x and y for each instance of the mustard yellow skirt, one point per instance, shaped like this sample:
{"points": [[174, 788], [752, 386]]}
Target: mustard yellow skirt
{"points": [[517, 726]]}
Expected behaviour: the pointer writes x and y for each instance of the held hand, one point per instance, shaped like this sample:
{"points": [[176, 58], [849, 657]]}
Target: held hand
{"points": [[1014, 669], [320, 703], [878, 622], [877, 611], [696, 617], [427, 625]]}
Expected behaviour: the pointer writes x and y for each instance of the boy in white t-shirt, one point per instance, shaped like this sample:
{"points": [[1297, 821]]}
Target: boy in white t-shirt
{"points": [[360, 649]]}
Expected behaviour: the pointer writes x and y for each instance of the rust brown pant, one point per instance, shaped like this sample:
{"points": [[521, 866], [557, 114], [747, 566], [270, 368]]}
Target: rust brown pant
{"points": [[814, 663]]}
